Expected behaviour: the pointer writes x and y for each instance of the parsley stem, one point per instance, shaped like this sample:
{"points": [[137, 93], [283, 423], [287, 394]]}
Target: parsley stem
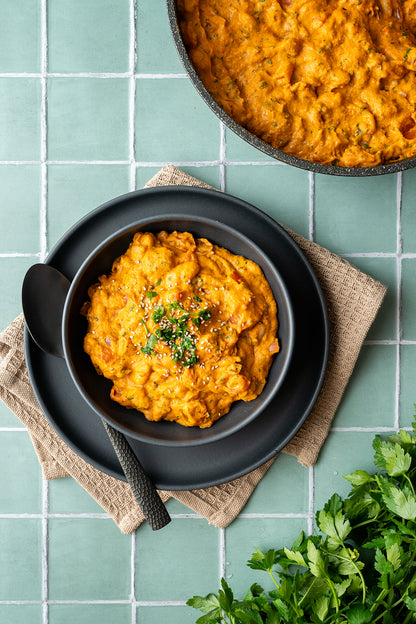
{"points": [[410, 483], [334, 593], [350, 560], [308, 590], [294, 606], [270, 571]]}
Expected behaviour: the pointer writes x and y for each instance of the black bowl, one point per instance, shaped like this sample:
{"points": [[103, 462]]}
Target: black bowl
{"points": [[96, 389], [401, 165]]}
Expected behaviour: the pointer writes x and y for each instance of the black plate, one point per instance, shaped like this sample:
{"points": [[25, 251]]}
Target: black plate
{"points": [[174, 468]]}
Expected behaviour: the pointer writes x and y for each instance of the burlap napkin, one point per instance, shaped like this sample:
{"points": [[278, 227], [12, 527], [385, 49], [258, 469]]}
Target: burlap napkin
{"points": [[353, 299]]}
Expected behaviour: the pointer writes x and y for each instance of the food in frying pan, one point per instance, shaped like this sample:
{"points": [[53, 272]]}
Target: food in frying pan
{"points": [[329, 81]]}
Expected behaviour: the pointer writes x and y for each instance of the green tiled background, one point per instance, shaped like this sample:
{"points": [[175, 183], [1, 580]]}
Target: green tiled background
{"points": [[93, 102]]}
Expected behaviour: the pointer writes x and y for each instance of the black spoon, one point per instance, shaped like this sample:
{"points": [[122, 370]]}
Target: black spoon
{"points": [[44, 292]]}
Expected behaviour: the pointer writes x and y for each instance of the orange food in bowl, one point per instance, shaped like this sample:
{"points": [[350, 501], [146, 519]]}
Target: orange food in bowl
{"points": [[329, 81], [182, 327]]}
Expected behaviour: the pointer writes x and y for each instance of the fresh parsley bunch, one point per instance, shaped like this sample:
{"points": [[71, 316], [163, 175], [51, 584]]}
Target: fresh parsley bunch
{"points": [[359, 568]]}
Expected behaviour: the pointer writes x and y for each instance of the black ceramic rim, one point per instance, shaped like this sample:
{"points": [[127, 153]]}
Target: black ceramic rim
{"points": [[408, 163], [182, 468], [213, 433]]}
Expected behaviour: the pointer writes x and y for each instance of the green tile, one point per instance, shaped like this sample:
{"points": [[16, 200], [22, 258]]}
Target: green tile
{"points": [[384, 270], [12, 272], [20, 105], [21, 492], [156, 52], [279, 190], [21, 614], [173, 123], [89, 559], [91, 36], [369, 398], [209, 175], [284, 488], [355, 215], [407, 385], [343, 452], [88, 118], [169, 614], [89, 614], [20, 198], [144, 174], [20, 559], [243, 536], [7, 418], [190, 567], [238, 149], [409, 299], [67, 496], [20, 41], [408, 211], [75, 190]]}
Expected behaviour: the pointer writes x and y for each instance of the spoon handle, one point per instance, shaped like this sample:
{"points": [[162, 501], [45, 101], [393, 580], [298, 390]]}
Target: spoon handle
{"points": [[143, 489]]}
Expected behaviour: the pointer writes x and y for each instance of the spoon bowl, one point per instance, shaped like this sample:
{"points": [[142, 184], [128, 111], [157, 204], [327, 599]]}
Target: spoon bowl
{"points": [[44, 293]]}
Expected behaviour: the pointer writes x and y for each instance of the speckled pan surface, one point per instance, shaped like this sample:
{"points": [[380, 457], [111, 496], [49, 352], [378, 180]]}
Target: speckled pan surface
{"points": [[402, 165], [173, 467]]}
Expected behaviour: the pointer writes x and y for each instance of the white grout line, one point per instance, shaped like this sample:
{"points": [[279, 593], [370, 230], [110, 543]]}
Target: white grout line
{"points": [[161, 603], [132, 94], [311, 206], [223, 152], [138, 603], [280, 515], [19, 429], [160, 76], [364, 429], [133, 578], [369, 254], [399, 196], [222, 563], [45, 551], [311, 490], [104, 75], [43, 130]]}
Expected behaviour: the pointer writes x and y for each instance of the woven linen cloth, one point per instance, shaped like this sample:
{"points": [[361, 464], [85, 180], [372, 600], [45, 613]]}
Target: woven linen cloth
{"points": [[353, 300]]}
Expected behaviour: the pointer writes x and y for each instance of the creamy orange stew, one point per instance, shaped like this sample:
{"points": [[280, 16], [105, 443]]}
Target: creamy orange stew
{"points": [[330, 81], [183, 328]]}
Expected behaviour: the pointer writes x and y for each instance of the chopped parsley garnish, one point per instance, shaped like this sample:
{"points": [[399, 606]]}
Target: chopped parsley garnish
{"points": [[158, 313], [196, 298], [203, 315], [150, 294], [173, 331], [150, 343], [175, 306]]}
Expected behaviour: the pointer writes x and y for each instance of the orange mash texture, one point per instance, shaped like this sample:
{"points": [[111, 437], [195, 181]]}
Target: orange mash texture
{"points": [[330, 81], [183, 328]]}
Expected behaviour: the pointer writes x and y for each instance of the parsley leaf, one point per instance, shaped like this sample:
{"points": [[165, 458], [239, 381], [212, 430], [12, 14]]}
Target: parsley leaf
{"points": [[358, 569], [150, 343]]}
